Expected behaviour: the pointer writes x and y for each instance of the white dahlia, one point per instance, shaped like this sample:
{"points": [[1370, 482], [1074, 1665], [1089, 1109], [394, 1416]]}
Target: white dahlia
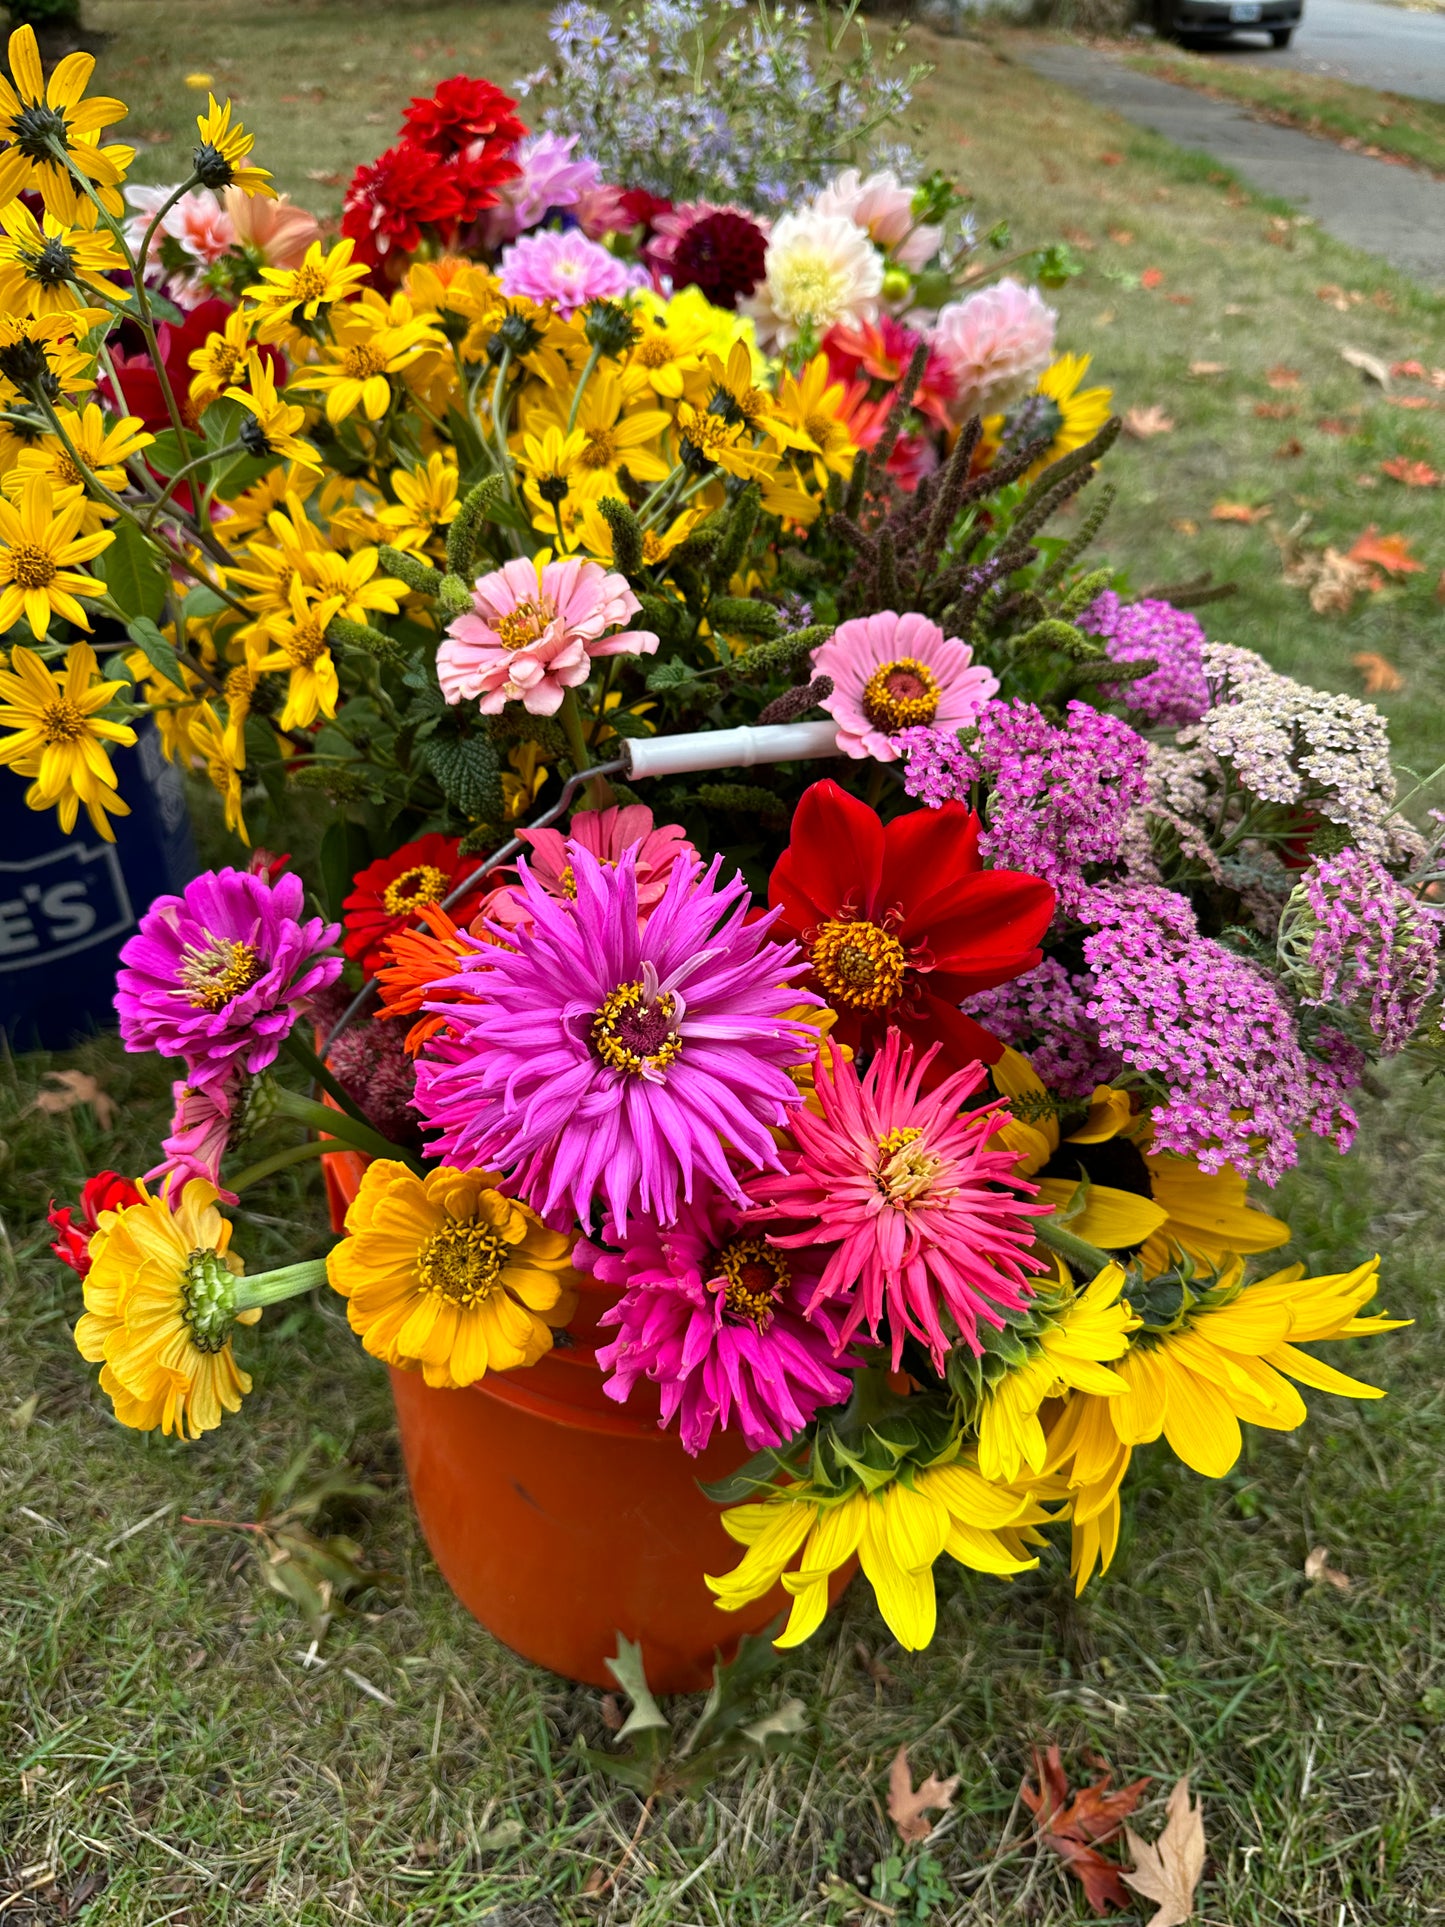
{"points": [[819, 269]]}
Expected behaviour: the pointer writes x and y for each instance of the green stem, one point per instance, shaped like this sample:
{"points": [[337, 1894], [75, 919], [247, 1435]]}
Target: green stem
{"points": [[321, 1073], [278, 1161], [274, 1287], [1086, 1256], [198, 461], [347, 1131], [582, 380]]}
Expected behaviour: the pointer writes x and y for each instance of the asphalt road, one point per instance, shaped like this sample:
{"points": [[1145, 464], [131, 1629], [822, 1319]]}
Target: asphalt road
{"points": [[1375, 45]]}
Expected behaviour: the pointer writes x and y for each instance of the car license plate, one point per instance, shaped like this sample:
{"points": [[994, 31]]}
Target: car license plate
{"points": [[1244, 13]]}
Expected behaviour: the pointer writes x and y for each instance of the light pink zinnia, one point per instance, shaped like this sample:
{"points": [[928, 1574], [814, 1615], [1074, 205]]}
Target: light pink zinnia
{"points": [[996, 342], [604, 834], [911, 1198], [532, 632], [713, 1314], [883, 207], [893, 672], [566, 269]]}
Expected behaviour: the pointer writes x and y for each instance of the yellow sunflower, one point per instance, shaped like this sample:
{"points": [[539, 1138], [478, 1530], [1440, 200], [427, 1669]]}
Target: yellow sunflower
{"points": [[1056, 405], [299, 647], [273, 427], [59, 737], [813, 415], [365, 350], [286, 297], [220, 159], [221, 361], [34, 113], [447, 1275], [42, 544]]}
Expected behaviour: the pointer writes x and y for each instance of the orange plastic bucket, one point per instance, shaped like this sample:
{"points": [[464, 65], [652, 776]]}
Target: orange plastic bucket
{"points": [[560, 1519]]}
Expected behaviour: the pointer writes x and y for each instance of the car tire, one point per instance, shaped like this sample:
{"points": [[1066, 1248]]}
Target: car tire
{"points": [[1280, 37]]}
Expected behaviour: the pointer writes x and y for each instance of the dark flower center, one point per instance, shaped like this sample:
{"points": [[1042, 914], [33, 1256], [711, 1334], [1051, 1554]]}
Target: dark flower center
{"points": [[755, 1275], [51, 265], [35, 127], [212, 166], [636, 1031]]}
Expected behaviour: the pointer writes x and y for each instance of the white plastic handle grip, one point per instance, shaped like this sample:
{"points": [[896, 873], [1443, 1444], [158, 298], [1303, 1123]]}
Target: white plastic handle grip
{"points": [[730, 748]]}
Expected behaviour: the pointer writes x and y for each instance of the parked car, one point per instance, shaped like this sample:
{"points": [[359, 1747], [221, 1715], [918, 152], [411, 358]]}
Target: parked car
{"points": [[1190, 21]]}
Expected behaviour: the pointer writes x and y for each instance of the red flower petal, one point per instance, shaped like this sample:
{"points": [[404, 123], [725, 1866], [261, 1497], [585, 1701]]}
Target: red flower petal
{"points": [[928, 856], [835, 857], [999, 918]]}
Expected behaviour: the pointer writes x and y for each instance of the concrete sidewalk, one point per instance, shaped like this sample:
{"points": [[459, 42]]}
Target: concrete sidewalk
{"points": [[1396, 213]]}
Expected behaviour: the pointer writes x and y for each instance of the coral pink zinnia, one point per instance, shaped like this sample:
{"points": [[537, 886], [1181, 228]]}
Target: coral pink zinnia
{"points": [[922, 1215], [605, 834], [532, 631], [893, 672]]}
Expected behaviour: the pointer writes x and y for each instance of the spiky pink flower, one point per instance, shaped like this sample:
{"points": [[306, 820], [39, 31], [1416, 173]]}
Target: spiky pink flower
{"points": [[220, 975], [200, 1132], [617, 1063], [532, 632], [892, 673], [606, 834], [995, 342], [566, 269], [923, 1217], [713, 1314]]}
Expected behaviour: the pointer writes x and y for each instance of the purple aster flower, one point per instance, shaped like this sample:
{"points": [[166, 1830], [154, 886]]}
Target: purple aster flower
{"points": [[566, 269], [607, 1063], [1177, 691], [713, 1313], [1353, 937], [220, 975]]}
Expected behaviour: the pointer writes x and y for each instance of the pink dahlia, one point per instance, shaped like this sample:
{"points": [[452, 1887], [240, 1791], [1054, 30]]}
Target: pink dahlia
{"points": [[995, 343], [548, 178], [532, 632], [615, 1063], [604, 834], [883, 207], [200, 1132], [566, 269], [892, 673], [713, 1314], [919, 1212], [219, 976]]}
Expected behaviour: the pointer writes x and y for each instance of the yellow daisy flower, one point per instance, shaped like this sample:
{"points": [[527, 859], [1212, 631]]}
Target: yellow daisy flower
{"points": [[426, 501], [223, 762], [38, 578], [897, 1532], [1074, 418], [274, 424], [365, 350], [553, 474], [285, 297], [810, 410], [104, 449], [247, 513], [46, 264], [159, 1307], [447, 1275], [301, 649], [675, 335], [59, 736], [612, 437], [34, 113], [221, 361], [220, 159], [712, 441]]}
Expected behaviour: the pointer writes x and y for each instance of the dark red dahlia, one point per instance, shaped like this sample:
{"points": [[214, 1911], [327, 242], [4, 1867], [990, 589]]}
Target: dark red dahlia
{"points": [[723, 255], [642, 207], [106, 1191], [463, 112], [390, 203]]}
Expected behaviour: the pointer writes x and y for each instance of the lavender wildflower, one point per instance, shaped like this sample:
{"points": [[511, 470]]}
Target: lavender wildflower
{"points": [[1353, 937]]}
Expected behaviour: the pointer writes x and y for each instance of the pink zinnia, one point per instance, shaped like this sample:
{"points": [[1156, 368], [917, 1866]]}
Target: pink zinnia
{"points": [[532, 632], [605, 834], [566, 269], [911, 1198], [608, 1063], [893, 672], [714, 1315], [200, 1133], [995, 343], [220, 975]]}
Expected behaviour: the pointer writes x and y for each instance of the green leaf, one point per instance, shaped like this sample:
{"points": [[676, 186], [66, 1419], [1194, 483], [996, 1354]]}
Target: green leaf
{"points": [[734, 1682], [135, 575], [627, 1669], [466, 769], [784, 1724], [165, 454], [670, 675], [345, 849], [158, 652], [201, 604], [622, 722]]}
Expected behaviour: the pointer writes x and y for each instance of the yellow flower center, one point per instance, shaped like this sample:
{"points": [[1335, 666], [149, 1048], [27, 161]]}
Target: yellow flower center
{"points": [[653, 547], [65, 471], [859, 965], [31, 566], [906, 1168], [756, 1274], [306, 642], [655, 350], [637, 1032], [212, 976], [62, 721], [523, 624], [240, 687], [600, 449], [821, 429], [811, 286], [422, 883], [901, 695], [707, 433], [222, 361], [463, 1262], [307, 284], [363, 360]]}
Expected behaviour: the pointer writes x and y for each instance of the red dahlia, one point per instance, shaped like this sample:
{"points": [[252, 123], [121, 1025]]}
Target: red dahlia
{"points": [[390, 203], [389, 895], [462, 113], [902, 921], [106, 1191], [723, 255]]}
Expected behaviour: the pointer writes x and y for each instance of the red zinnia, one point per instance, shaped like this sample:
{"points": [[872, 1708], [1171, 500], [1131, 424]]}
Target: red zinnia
{"points": [[389, 895], [106, 1191], [902, 921], [461, 113]]}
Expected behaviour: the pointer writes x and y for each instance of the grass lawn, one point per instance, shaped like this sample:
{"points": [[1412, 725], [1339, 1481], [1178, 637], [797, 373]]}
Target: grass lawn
{"points": [[164, 1752]]}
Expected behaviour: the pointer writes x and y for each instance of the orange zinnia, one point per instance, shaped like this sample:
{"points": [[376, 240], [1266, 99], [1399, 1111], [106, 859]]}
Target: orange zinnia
{"points": [[417, 960]]}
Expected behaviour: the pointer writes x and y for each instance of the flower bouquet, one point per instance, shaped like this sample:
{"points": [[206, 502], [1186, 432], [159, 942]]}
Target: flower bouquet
{"points": [[800, 971]]}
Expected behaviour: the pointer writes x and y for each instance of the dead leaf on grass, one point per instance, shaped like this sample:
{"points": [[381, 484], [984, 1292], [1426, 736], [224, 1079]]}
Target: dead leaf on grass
{"points": [[1408, 370], [1276, 411], [1341, 298], [1122, 237], [1401, 468], [1169, 1870], [1141, 423], [24, 1413], [1332, 425], [1281, 377], [1238, 512], [1318, 1569], [1075, 1825], [76, 1087], [873, 1666], [1412, 401], [1184, 526], [1151, 278], [1080, 238], [1388, 552], [1209, 367], [908, 1805], [1370, 366], [1289, 451], [1381, 678]]}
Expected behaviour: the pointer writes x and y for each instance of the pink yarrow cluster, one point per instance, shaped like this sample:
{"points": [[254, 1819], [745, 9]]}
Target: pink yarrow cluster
{"points": [[1175, 692]]}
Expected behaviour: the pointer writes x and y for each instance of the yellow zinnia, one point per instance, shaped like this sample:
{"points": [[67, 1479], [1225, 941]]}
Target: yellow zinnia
{"points": [[59, 736], [34, 113], [447, 1275], [366, 349], [897, 1533]]}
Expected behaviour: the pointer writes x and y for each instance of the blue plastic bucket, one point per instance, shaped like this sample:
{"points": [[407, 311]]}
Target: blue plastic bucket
{"points": [[68, 903]]}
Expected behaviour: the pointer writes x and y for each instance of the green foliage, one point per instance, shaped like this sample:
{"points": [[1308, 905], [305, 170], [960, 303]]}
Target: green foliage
{"points": [[467, 770], [46, 16], [136, 577]]}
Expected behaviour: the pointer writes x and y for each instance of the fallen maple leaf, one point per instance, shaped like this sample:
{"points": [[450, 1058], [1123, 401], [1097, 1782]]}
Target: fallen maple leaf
{"points": [[1411, 401], [1074, 1826], [1370, 366], [76, 1087], [1408, 370], [1110, 159], [1287, 451], [1400, 468], [1238, 512], [1337, 581], [908, 1804], [1281, 377], [1388, 552], [1141, 423], [1380, 678], [1331, 425], [1169, 1869], [1318, 1569], [1276, 411], [1209, 367], [1151, 277]]}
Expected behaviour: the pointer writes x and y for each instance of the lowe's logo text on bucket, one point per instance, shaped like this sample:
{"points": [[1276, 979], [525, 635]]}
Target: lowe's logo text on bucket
{"points": [[51, 906]]}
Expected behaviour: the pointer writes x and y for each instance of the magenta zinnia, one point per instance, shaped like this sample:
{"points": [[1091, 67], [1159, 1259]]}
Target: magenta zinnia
{"points": [[219, 976], [607, 1063], [923, 1216], [713, 1313]]}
